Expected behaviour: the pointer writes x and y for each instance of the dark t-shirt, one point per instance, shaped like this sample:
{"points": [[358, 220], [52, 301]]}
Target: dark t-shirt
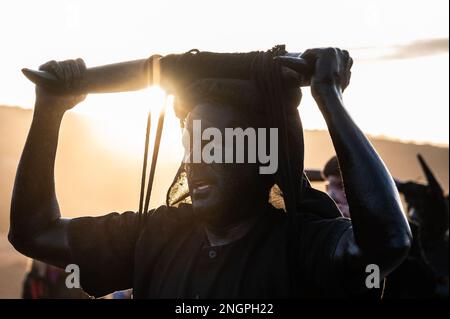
{"points": [[169, 256]]}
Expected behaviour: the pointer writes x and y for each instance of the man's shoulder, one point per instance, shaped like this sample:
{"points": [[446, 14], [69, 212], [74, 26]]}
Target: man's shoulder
{"points": [[172, 215], [181, 211], [304, 217]]}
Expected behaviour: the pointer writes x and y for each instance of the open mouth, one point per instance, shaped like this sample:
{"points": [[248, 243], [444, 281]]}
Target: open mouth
{"points": [[201, 187]]}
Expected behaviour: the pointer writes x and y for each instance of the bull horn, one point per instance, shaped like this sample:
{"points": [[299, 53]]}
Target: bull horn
{"points": [[431, 179]]}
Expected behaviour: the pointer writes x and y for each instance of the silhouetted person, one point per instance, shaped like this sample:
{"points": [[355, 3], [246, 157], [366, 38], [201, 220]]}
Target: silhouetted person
{"points": [[429, 214], [229, 242]]}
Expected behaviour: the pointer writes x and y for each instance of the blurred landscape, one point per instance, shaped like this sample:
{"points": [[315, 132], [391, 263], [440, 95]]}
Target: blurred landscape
{"points": [[92, 179]]}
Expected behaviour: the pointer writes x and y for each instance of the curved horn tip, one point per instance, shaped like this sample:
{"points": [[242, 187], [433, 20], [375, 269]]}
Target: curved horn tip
{"points": [[25, 71], [429, 175], [41, 77]]}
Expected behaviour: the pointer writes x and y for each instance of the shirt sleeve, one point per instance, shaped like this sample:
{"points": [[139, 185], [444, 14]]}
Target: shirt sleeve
{"points": [[318, 241], [103, 248]]}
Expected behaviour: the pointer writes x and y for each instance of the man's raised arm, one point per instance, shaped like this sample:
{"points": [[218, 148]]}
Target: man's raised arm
{"points": [[37, 229], [380, 233]]}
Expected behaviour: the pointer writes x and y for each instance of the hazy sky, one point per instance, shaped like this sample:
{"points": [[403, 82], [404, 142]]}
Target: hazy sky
{"points": [[400, 77]]}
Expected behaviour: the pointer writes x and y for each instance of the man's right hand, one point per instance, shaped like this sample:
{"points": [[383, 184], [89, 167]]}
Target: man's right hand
{"points": [[69, 72], [332, 68]]}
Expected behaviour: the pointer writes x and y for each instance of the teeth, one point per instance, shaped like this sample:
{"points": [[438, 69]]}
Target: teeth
{"points": [[202, 187]]}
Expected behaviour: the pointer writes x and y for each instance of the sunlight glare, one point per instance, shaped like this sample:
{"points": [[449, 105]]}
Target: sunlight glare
{"points": [[119, 120]]}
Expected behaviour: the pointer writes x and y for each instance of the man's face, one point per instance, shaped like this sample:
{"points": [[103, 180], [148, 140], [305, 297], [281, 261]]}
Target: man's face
{"points": [[222, 193], [335, 188]]}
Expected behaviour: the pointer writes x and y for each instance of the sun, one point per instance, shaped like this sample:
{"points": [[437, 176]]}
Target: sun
{"points": [[119, 121]]}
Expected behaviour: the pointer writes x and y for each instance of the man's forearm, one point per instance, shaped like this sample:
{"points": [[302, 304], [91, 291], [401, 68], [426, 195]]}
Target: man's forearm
{"points": [[34, 204], [380, 228]]}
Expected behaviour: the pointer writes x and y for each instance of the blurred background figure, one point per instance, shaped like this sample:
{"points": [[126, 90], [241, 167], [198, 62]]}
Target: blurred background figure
{"points": [[428, 212], [122, 294], [334, 185], [43, 281]]}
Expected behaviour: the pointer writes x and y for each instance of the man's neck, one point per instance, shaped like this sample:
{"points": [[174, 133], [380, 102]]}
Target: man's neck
{"points": [[223, 235]]}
